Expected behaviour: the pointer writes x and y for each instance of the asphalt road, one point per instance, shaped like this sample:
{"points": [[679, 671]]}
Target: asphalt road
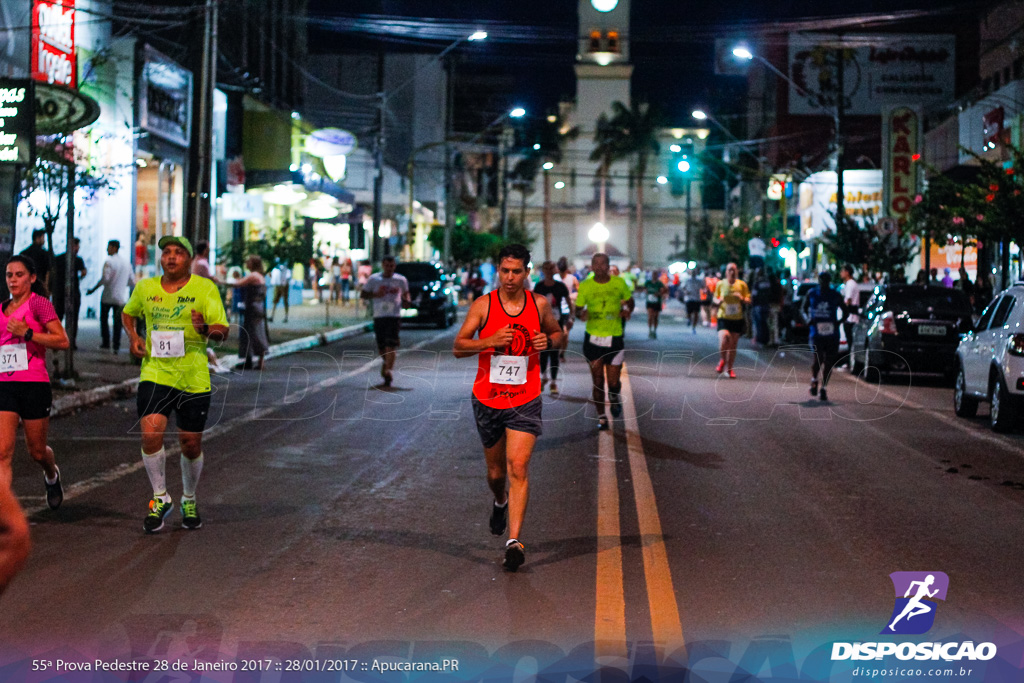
{"points": [[737, 527]]}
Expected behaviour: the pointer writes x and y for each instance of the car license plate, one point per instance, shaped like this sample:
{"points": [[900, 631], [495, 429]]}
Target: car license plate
{"points": [[409, 312], [931, 330]]}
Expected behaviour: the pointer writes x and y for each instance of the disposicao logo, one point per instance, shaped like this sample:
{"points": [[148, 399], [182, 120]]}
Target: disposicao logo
{"points": [[914, 614], [916, 593]]}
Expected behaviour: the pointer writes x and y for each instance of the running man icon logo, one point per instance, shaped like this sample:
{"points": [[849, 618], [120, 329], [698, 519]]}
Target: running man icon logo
{"points": [[916, 593]]}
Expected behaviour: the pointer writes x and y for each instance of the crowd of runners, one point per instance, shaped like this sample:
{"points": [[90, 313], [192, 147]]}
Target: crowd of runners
{"points": [[518, 333]]}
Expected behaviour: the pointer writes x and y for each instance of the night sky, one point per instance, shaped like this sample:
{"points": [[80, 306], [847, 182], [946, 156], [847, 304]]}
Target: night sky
{"points": [[533, 42]]}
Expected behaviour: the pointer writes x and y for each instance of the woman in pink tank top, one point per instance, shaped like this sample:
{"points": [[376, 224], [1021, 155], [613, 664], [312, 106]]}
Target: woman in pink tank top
{"points": [[28, 326]]}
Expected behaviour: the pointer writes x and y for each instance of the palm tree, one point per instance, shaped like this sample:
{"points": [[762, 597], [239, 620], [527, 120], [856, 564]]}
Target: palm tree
{"points": [[607, 149], [635, 132]]}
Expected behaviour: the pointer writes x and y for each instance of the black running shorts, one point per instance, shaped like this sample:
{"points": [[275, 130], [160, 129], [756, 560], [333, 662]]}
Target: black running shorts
{"points": [[492, 422], [386, 331], [190, 410], [611, 355], [734, 326], [30, 400]]}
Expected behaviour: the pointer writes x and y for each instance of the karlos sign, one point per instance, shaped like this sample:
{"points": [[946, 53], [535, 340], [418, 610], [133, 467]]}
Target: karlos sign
{"points": [[17, 118], [53, 42], [903, 136]]}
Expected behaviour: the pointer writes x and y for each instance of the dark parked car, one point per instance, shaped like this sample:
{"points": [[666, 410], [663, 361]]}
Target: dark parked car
{"points": [[433, 296], [911, 328]]}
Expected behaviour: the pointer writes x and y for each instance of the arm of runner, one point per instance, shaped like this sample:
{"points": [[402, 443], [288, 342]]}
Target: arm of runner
{"points": [[137, 345], [14, 537], [214, 332], [406, 299], [629, 304], [550, 335], [466, 345]]}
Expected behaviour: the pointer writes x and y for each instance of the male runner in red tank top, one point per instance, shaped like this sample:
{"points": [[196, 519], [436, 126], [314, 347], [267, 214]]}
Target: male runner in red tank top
{"points": [[514, 325]]}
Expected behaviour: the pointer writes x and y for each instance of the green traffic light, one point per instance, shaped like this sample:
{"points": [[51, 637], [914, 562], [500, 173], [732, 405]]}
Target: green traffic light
{"points": [[683, 166]]}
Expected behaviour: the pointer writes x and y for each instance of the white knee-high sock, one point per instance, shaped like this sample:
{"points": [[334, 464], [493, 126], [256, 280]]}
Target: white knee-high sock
{"points": [[154, 463], [190, 471]]}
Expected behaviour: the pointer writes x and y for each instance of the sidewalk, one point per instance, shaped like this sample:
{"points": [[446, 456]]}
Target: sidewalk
{"points": [[99, 368]]}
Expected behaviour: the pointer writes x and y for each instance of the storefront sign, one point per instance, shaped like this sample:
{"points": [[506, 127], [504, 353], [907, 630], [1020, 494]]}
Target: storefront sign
{"points": [[863, 200], [61, 110], [901, 134], [881, 69], [53, 42], [780, 184], [17, 137], [240, 206], [948, 256], [165, 98]]}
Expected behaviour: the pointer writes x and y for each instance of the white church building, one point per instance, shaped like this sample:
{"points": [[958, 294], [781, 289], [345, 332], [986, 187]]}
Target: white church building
{"points": [[603, 75]]}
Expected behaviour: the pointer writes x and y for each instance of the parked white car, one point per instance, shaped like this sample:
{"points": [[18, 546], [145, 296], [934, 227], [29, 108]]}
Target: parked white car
{"points": [[990, 362]]}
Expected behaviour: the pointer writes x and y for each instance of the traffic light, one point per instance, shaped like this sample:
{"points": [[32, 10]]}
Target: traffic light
{"points": [[682, 167]]}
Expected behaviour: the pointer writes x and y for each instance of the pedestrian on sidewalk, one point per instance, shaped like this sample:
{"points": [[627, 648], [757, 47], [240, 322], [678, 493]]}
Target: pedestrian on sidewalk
{"points": [[28, 326], [182, 312], [506, 330], [346, 280], [281, 281], [68, 311], [254, 341], [40, 256], [388, 291], [115, 279]]}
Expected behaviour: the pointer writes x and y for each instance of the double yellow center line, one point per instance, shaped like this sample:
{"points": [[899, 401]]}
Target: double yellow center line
{"points": [[610, 614]]}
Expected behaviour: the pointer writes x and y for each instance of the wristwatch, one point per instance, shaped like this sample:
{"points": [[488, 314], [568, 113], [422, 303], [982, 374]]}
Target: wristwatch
{"points": [[28, 335]]}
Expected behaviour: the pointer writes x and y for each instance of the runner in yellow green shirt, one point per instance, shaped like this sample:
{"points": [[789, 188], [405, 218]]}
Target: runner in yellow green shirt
{"points": [[605, 302], [731, 294], [182, 311]]}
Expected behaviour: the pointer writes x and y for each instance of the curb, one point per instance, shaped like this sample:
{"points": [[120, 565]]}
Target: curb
{"points": [[67, 405]]}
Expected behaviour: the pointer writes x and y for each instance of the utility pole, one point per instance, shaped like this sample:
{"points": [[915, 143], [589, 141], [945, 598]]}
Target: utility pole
{"points": [[378, 178], [840, 142], [689, 215], [547, 215], [449, 171], [70, 273], [200, 193]]}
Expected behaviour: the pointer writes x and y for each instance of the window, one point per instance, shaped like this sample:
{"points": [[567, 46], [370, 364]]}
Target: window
{"points": [[986, 315], [613, 41], [595, 41], [1002, 312]]}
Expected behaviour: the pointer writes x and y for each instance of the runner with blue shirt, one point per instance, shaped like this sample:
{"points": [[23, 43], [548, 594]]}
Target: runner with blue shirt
{"points": [[822, 307]]}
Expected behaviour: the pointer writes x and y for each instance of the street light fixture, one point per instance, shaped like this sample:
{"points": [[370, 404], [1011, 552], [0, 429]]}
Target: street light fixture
{"points": [[517, 113], [479, 35], [599, 235], [548, 166], [662, 180], [699, 115]]}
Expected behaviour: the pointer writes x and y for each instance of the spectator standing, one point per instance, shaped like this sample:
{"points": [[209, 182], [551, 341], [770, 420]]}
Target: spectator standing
{"points": [[761, 300], [280, 280], [115, 279], [253, 341], [68, 313], [776, 299], [947, 279], [757, 250], [40, 257], [346, 280], [851, 298]]}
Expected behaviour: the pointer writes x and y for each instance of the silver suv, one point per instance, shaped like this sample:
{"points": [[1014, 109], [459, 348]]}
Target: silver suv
{"points": [[990, 362]]}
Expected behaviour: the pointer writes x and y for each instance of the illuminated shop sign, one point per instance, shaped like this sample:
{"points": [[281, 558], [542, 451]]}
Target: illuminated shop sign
{"points": [[17, 119], [53, 42], [165, 98]]}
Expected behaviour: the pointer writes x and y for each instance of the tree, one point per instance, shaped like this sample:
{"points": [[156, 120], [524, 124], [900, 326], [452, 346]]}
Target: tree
{"points": [[45, 183], [867, 246], [607, 148], [635, 133]]}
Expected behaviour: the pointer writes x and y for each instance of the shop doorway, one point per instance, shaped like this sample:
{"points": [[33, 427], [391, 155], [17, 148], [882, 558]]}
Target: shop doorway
{"points": [[160, 203]]}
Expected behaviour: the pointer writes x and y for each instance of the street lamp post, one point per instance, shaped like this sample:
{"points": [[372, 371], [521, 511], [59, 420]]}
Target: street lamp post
{"points": [[505, 143], [547, 209], [838, 113]]}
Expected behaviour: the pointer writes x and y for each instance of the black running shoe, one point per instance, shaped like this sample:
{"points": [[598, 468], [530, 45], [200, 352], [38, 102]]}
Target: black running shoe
{"points": [[814, 387], [823, 395], [158, 510], [616, 405], [54, 492], [190, 514], [499, 518], [602, 424], [515, 555]]}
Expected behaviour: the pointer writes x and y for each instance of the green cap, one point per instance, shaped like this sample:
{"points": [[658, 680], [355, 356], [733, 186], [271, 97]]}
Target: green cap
{"points": [[180, 241]]}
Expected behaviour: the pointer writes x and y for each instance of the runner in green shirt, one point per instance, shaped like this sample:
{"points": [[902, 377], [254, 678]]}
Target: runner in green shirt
{"points": [[605, 303], [182, 312]]}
